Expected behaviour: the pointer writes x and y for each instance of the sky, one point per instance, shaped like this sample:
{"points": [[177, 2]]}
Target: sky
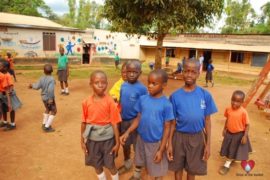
{"points": [[61, 6]]}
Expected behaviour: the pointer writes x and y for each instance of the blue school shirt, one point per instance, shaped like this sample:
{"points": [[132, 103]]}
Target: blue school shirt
{"points": [[154, 113], [191, 108], [210, 68], [129, 95]]}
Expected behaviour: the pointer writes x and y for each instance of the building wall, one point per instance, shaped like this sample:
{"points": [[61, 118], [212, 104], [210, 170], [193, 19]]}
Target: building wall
{"points": [[28, 43]]}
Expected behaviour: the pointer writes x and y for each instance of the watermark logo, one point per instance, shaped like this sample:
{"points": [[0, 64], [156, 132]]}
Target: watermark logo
{"points": [[248, 165]]}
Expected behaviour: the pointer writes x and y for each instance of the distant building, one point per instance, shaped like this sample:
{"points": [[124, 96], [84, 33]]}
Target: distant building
{"points": [[31, 37]]}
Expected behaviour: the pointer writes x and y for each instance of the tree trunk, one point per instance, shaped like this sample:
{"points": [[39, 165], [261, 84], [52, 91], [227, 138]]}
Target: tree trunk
{"points": [[158, 57]]}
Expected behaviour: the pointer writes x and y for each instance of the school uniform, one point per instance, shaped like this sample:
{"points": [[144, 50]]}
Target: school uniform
{"points": [[115, 90], [232, 148], [3, 86], [209, 72], [154, 113], [190, 110], [47, 84], [129, 95], [62, 68], [100, 115]]}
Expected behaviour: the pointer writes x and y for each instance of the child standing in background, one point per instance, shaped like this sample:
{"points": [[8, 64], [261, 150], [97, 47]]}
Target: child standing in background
{"points": [[14, 100], [236, 145], [47, 84], [99, 131], [115, 90], [129, 95], [209, 73], [11, 66], [153, 122], [190, 135], [63, 71]]}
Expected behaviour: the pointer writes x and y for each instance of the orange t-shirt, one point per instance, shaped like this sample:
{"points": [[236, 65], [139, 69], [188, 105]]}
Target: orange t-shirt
{"points": [[11, 63], [236, 119], [9, 79], [3, 82], [100, 112]]}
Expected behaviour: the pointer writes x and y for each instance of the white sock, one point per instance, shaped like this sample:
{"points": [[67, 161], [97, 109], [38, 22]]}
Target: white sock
{"points": [[101, 176], [45, 118], [49, 121], [66, 90], [115, 177], [128, 163], [227, 164], [12, 124], [5, 122], [137, 173], [62, 90]]}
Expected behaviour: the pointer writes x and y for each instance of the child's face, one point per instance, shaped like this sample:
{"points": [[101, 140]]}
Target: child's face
{"points": [[133, 73], [124, 73], [61, 51], [155, 85], [190, 73], [99, 84], [236, 101]]}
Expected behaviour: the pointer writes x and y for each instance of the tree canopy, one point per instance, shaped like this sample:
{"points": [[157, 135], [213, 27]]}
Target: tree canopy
{"points": [[157, 18]]}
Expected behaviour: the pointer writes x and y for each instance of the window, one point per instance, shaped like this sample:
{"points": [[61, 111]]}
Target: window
{"points": [[49, 41], [237, 57], [170, 53]]}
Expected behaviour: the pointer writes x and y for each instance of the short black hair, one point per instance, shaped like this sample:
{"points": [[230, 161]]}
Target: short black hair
{"points": [[137, 63], [94, 73], [160, 72], [193, 61], [240, 93], [48, 69]]}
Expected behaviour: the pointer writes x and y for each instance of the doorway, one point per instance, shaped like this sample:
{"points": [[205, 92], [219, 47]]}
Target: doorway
{"points": [[207, 56], [192, 53], [86, 53]]}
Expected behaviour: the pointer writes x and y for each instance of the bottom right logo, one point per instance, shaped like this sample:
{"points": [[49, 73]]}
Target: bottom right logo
{"points": [[248, 165]]}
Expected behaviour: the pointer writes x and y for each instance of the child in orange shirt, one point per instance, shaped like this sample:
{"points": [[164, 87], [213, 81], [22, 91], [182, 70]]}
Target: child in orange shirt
{"points": [[99, 132], [11, 65], [14, 100], [236, 145]]}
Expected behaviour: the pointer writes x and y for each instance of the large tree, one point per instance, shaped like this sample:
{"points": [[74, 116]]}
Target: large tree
{"points": [[26, 7], [240, 16], [157, 18]]}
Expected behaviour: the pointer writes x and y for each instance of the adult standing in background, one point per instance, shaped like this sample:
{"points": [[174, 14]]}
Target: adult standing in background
{"points": [[201, 59], [116, 61]]}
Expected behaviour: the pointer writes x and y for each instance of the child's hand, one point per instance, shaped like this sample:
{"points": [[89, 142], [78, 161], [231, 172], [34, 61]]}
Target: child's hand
{"points": [[206, 153], [158, 157], [224, 132], [170, 152], [244, 140], [30, 86], [114, 150], [123, 138], [84, 148]]}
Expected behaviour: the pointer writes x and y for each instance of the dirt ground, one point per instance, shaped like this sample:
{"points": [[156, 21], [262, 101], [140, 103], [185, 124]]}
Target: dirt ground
{"points": [[28, 153]]}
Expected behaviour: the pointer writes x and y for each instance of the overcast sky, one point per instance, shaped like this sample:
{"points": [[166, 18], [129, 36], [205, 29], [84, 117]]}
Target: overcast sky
{"points": [[61, 7]]}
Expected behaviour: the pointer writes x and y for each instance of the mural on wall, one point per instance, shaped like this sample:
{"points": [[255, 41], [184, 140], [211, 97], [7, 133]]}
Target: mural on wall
{"points": [[31, 54], [72, 45], [107, 46], [30, 43], [7, 41]]}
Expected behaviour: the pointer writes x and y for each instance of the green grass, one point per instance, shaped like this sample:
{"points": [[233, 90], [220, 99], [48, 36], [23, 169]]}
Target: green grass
{"points": [[83, 72]]}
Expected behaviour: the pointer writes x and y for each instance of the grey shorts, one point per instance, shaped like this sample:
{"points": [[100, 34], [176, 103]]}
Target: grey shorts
{"points": [[188, 150], [62, 75], [124, 125], [50, 107], [144, 156], [99, 154]]}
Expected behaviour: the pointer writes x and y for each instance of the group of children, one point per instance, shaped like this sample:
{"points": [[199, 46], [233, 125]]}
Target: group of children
{"points": [[166, 134]]}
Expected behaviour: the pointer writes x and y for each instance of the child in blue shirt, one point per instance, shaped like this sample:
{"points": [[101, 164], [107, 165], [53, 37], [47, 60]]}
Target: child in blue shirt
{"points": [[209, 73], [129, 95], [153, 125], [190, 135]]}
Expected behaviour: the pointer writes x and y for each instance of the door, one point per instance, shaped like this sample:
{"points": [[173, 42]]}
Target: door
{"points": [[86, 53]]}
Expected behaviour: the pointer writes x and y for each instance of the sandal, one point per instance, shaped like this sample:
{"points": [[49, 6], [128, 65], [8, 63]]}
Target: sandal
{"points": [[223, 170], [123, 169]]}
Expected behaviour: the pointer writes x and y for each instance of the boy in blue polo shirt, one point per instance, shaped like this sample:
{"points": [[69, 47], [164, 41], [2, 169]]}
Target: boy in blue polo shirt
{"points": [[153, 122], [129, 94], [189, 141]]}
